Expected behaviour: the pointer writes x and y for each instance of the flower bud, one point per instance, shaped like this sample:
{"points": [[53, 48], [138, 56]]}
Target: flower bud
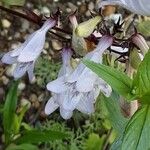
{"points": [[84, 29], [140, 42], [78, 43]]}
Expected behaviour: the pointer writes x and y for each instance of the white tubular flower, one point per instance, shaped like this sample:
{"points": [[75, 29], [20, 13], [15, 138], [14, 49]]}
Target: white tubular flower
{"points": [[86, 85], [84, 77], [59, 87], [26, 55], [141, 7], [80, 89], [140, 42]]}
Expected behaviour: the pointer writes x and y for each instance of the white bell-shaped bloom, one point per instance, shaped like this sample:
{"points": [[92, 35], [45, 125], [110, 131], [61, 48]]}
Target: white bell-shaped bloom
{"points": [[80, 89], [84, 77], [59, 87], [26, 55], [137, 6]]}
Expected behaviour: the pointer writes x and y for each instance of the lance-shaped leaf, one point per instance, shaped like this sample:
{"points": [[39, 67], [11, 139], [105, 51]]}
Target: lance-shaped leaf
{"points": [[84, 29], [137, 132], [119, 81], [118, 121], [22, 147], [14, 2], [36, 136], [141, 82], [9, 111]]}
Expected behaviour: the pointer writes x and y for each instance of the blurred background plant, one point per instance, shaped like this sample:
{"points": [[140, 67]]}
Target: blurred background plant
{"points": [[46, 70]]}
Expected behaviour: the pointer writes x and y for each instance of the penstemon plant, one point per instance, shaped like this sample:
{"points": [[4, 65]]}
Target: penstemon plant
{"points": [[98, 47]]}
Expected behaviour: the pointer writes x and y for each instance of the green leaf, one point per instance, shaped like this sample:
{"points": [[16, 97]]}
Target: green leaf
{"points": [[137, 132], [21, 115], [115, 117], [117, 143], [22, 147], [114, 114], [119, 81], [94, 142], [16, 124], [14, 2], [26, 126], [9, 110], [36, 136], [141, 82]]}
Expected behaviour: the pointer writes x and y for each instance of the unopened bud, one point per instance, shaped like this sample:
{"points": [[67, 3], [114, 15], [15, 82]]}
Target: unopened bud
{"points": [[140, 42], [84, 29], [78, 43]]}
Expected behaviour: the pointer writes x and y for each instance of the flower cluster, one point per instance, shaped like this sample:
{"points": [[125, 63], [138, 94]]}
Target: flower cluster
{"points": [[79, 88], [75, 88]]}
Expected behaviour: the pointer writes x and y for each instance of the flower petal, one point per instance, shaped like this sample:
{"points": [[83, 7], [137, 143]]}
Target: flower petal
{"points": [[96, 91], [51, 106], [58, 85], [20, 70], [33, 46], [85, 107], [85, 83], [48, 24], [65, 113], [86, 104], [106, 89], [65, 70], [7, 59], [105, 42], [76, 73], [30, 72], [71, 100], [16, 52]]}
